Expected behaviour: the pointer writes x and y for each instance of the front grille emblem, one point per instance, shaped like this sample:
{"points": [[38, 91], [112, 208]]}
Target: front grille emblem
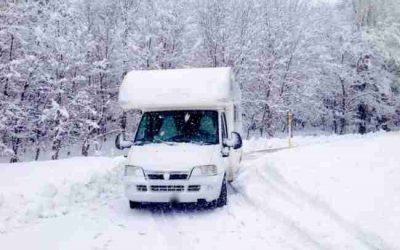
{"points": [[166, 176]]}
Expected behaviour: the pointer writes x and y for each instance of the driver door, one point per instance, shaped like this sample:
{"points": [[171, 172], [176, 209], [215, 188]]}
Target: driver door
{"points": [[226, 152]]}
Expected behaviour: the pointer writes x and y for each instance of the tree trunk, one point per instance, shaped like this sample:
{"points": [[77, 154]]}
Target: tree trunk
{"points": [[37, 153], [335, 127], [123, 121], [343, 121], [85, 147], [57, 140], [5, 91], [56, 148], [11, 48], [248, 133], [15, 145], [102, 122]]}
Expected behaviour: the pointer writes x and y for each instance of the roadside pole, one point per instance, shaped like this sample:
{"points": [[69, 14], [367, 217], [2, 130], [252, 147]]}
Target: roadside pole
{"points": [[290, 134]]}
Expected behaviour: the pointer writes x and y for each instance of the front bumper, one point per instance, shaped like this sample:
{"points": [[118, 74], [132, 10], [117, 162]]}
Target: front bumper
{"points": [[197, 188]]}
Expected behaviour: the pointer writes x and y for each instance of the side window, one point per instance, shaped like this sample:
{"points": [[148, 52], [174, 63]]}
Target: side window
{"points": [[223, 125]]}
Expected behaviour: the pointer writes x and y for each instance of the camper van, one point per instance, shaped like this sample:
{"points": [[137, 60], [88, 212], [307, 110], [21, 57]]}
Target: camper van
{"points": [[187, 145]]}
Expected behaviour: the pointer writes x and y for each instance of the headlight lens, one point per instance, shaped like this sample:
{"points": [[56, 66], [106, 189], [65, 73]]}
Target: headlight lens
{"points": [[134, 171], [205, 170]]}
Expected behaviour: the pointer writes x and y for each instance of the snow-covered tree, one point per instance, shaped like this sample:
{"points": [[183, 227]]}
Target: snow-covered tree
{"points": [[335, 66]]}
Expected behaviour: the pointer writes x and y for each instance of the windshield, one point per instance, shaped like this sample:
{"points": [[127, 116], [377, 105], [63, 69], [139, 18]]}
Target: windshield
{"points": [[199, 127]]}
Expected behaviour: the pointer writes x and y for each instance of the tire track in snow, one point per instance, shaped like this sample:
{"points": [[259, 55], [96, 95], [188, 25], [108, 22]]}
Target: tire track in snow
{"points": [[270, 214], [252, 155], [297, 197]]}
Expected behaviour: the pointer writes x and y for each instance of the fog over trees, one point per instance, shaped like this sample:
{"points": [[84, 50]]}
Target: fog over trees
{"points": [[336, 66]]}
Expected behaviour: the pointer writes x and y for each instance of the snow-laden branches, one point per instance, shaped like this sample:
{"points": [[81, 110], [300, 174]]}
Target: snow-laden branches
{"points": [[335, 66]]}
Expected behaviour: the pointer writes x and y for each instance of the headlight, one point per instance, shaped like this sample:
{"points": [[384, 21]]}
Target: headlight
{"points": [[205, 170], [134, 171]]}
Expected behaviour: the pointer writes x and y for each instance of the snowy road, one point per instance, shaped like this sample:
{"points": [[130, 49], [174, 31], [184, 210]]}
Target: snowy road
{"points": [[341, 194]]}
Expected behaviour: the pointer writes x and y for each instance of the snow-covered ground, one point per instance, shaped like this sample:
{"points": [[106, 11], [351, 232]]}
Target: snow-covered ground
{"points": [[264, 144], [326, 193]]}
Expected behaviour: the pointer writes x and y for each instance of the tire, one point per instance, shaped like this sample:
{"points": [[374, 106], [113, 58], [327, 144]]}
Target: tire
{"points": [[223, 197], [134, 204]]}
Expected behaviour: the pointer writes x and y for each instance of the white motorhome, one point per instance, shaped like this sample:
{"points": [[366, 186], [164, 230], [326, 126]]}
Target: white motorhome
{"points": [[188, 144]]}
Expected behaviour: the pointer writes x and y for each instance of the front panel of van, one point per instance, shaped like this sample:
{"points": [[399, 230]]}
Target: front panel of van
{"points": [[175, 169]]}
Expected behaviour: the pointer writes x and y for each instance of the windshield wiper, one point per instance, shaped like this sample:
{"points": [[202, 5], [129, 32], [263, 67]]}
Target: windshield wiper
{"points": [[140, 143], [170, 143], [205, 143], [183, 140]]}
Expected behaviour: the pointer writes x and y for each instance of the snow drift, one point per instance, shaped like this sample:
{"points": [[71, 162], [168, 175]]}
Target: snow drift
{"points": [[34, 190]]}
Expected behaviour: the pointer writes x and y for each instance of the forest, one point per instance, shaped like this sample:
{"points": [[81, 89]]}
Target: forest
{"points": [[334, 64]]}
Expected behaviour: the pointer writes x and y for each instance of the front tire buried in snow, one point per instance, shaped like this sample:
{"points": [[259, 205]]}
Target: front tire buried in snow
{"points": [[223, 197], [134, 204]]}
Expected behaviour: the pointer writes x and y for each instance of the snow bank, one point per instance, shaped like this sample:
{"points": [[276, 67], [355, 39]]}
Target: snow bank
{"points": [[50, 188], [260, 144], [155, 89]]}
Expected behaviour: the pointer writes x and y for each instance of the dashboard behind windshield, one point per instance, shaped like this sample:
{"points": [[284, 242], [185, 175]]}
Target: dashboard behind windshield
{"points": [[187, 126]]}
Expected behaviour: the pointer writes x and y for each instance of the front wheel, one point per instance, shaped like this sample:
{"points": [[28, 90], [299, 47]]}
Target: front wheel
{"points": [[223, 197], [134, 204]]}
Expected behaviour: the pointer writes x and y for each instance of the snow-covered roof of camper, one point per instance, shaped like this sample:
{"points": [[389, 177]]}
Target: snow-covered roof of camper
{"points": [[177, 88]]}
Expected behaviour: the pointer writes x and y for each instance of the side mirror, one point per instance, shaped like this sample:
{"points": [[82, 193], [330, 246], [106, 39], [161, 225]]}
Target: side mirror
{"points": [[121, 143], [225, 152], [234, 142]]}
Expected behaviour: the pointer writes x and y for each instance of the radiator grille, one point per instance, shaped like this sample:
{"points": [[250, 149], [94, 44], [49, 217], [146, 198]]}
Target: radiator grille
{"points": [[194, 188], [141, 188], [167, 175], [167, 188], [178, 176], [155, 176]]}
